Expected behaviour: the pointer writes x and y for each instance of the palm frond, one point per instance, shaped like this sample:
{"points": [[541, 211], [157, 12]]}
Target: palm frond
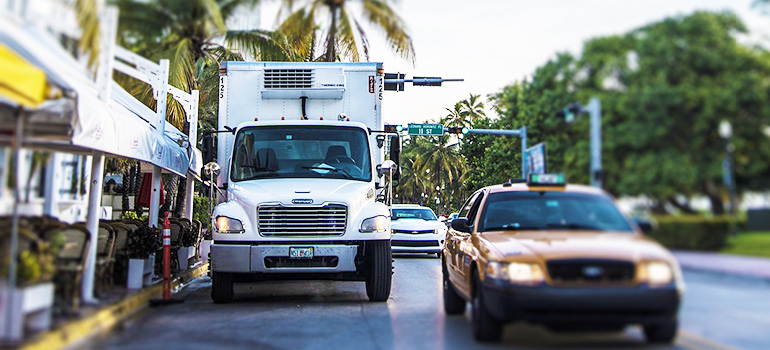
{"points": [[346, 39], [212, 11], [394, 28], [262, 45], [88, 21]]}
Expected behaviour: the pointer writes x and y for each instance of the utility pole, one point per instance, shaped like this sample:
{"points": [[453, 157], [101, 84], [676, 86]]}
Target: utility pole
{"points": [[520, 132]]}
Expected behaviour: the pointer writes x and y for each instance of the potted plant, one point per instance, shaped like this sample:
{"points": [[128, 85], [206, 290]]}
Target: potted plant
{"points": [[141, 248], [33, 295]]}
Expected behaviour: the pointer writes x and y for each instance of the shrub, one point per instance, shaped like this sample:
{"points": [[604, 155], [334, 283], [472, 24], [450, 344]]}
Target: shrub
{"points": [[693, 232], [144, 242], [201, 211]]}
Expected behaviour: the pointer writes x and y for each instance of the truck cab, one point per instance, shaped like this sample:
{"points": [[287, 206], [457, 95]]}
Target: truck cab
{"points": [[301, 176]]}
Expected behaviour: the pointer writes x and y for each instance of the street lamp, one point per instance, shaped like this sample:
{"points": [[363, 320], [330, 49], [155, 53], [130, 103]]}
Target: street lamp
{"points": [[726, 132]]}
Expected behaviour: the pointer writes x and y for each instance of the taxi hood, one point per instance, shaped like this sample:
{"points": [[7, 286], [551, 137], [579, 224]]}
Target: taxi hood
{"points": [[547, 245]]}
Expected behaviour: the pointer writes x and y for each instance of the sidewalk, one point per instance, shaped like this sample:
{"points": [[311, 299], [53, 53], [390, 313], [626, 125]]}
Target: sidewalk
{"points": [[724, 263]]}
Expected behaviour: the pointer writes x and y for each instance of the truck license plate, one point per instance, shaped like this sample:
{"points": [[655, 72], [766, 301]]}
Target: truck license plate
{"points": [[301, 253]]}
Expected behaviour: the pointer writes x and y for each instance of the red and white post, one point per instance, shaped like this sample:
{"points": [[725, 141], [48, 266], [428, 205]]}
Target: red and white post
{"points": [[166, 258]]}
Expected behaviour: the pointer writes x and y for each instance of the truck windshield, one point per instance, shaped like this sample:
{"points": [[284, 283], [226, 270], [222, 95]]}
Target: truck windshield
{"points": [[551, 211], [301, 152]]}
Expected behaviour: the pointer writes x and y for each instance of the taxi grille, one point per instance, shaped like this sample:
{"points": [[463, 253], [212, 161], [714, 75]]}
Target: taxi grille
{"points": [[590, 271], [278, 220]]}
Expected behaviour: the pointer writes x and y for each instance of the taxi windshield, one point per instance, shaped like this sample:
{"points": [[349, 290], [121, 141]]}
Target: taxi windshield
{"points": [[551, 211], [424, 214]]}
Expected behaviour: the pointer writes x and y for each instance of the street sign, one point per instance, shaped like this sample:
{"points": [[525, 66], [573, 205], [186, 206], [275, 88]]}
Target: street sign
{"points": [[536, 159], [426, 129]]}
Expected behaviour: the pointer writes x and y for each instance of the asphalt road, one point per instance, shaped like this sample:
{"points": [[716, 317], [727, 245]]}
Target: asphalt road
{"points": [[718, 311]]}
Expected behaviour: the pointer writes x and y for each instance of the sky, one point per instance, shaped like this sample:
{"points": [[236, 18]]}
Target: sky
{"points": [[493, 43]]}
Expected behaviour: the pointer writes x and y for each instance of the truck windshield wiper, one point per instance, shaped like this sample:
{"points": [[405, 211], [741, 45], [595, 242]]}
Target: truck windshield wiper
{"points": [[261, 175], [344, 173]]}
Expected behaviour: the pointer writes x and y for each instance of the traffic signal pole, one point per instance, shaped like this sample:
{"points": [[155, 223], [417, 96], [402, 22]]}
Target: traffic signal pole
{"points": [[521, 132], [594, 110]]}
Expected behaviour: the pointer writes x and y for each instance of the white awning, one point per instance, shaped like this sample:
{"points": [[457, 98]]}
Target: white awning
{"points": [[119, 127]]}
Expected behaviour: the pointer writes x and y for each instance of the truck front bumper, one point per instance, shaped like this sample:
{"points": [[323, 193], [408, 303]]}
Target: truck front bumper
{"points": [[274, 258]]}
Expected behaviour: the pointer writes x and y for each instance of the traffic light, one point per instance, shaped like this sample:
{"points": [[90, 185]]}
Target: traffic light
{"points": [[394, 86], [458, 130], [394, 128], [570, 112]]}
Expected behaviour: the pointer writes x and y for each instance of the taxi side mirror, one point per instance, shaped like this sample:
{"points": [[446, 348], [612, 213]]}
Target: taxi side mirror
{"points": [[460, 224], [645, 225]]}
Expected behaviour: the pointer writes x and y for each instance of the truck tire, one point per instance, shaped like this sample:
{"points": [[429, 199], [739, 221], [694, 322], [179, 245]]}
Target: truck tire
{"points": [[380, 274], [454, 304], [222, 287], [485, 327], [661, 333]]}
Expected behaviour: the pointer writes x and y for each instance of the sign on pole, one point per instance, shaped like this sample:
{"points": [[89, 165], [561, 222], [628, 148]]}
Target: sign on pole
{"points": [[426, 129], [536, 159]]}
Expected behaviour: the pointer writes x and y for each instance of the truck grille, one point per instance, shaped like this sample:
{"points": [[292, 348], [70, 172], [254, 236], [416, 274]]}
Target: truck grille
{"points": [[278, 220], [591, 271], [288, 78]]}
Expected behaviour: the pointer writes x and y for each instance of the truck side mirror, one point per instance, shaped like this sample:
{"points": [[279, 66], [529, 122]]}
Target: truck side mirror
{"points": [[395, 154], [207, 148]]}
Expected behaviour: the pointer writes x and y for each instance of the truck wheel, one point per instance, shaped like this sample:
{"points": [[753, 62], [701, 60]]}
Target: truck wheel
{"points": [[222, 287], [380, 270], [663, 332], [485, 327], [454, 304]]}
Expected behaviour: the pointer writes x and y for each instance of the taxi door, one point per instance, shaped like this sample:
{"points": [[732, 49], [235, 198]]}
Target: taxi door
{"points": [[460, 248]]}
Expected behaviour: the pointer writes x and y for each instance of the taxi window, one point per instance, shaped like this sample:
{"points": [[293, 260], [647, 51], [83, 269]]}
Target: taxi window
{"points": [[551, 211], [463, 213]]}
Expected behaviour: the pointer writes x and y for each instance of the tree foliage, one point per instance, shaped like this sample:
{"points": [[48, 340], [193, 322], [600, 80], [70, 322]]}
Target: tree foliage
{"points": [[664, 88]]}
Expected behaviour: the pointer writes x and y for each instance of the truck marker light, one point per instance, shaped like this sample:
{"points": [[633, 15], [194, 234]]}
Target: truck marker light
{"points": [[256, 119], [283, 118], [322, 118]]}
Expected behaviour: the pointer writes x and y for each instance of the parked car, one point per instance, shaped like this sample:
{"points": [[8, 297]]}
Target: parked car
{"points": [[559, 255], [416, 229]]}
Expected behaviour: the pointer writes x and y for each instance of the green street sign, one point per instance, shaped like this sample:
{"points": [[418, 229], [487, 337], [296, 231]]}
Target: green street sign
{"points": [[426, 129]]}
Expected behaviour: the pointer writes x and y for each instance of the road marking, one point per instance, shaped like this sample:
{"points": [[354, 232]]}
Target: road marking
{"points": [[696, 342]]}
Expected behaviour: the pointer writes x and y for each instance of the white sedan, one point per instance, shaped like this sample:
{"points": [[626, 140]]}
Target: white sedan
{"points": [[416, 229]]}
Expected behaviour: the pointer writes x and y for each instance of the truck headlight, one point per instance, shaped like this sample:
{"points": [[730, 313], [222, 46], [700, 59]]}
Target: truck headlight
{"points": [[519, 273], [378, 223], [229, 225], [656, 273]]}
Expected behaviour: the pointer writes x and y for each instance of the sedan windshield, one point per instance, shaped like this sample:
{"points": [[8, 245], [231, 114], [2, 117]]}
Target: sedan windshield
{"points": [[551, 211], [301, 152], [424, 214]]}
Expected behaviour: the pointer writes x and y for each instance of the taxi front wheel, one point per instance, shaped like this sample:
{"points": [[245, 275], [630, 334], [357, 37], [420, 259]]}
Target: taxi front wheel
{"points": [[485, 327], [454, 304], [664, 332]]}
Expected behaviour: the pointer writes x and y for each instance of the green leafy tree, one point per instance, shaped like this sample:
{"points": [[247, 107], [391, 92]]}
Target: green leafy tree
{"points": [[342, 32], [664, 88]]}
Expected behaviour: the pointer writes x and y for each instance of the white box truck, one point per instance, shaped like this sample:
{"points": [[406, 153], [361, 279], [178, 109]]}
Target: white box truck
{"points": [[301, 172]]}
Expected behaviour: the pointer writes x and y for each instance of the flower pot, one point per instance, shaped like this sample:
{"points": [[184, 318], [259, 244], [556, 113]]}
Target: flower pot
{"points": [[205, 248], [140, 272], [184, 254], [31, 311]]}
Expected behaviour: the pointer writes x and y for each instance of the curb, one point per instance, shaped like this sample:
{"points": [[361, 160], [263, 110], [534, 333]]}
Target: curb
{"points": [[108, 316]]}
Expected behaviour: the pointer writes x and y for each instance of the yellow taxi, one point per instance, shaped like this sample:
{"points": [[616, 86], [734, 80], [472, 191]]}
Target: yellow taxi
{"points": [[559, 255]]}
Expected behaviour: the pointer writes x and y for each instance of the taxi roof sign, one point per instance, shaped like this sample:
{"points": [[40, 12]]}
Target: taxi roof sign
{"points": [[546, 180]]}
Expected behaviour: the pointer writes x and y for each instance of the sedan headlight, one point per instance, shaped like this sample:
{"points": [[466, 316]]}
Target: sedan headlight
{"points": [[519, 273], [375, 224], [656, 273], [229, 225]]}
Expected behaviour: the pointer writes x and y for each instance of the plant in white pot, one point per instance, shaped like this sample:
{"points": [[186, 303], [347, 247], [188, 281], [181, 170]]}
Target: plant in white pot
{"points": [[141, 248], [33, 296]]}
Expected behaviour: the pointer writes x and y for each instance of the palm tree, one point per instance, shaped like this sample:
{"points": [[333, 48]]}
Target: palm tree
{"points": [[440, 163], [193, 36], [465, 112], [343, 33]]}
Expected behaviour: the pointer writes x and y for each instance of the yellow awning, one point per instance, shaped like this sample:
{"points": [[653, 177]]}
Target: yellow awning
{"points": [[20, 81]]}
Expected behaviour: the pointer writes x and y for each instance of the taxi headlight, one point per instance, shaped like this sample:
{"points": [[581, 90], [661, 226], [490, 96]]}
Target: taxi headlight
{"points": [[657, 273], [520, 273], [378, 223], [229, 225]]}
